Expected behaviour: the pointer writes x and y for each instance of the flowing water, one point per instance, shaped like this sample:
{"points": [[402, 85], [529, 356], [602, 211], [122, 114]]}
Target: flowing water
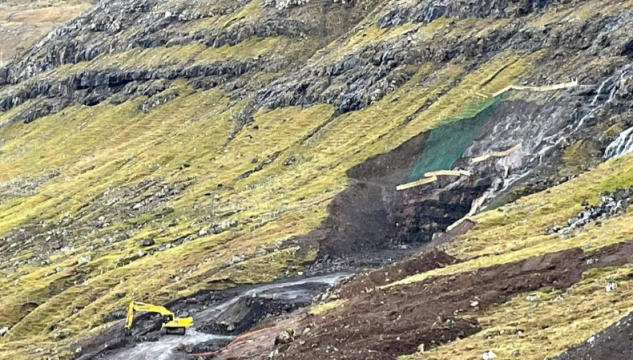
{"points": [[291, 291], [164, 348], [620, 146]]}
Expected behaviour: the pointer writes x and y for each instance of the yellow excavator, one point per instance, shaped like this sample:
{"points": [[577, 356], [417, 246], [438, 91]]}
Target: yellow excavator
{"points": [[171, 323]]}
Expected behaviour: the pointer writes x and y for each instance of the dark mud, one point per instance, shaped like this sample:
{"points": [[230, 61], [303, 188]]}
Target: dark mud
{"points": [[371, 223], [386, 323], [217, 314]]}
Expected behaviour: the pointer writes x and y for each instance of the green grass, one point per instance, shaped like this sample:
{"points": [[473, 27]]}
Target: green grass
{"points": [[140, 145], [113, 148]]}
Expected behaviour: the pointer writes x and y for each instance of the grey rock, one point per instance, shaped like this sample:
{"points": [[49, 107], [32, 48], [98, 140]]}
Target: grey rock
{"points": [[147, 242], [84, 259], [285, 336], [60, 335]]}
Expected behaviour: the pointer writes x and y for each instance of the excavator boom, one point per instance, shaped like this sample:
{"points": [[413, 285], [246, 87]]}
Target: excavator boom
{"points": [[170, 322]]}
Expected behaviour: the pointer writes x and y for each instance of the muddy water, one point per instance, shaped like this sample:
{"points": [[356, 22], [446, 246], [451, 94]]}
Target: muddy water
{"points": [[164, 348], [295, 291], [291, 291]]}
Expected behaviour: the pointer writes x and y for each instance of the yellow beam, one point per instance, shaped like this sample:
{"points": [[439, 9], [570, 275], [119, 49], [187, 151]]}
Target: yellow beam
{"points": [[430, 177], [473, 209], [448, 173], [497, 154], [416, 183]]}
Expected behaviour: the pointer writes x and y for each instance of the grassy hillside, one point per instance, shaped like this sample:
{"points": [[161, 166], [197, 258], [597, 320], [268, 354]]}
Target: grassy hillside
{"points": [[558, 319], [83, 185]]}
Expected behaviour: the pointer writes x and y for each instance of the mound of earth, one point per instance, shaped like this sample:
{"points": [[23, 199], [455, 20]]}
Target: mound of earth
{"points": [[383, 323]]}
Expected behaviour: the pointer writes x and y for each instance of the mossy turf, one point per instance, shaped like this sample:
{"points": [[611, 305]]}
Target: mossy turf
{"points": [[100, 148]]}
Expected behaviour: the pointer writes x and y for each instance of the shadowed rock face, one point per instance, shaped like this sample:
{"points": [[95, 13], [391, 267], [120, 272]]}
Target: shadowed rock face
{"points": [[351, 82]]}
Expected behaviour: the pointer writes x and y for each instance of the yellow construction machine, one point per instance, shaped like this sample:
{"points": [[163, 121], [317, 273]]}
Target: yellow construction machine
{"points": [[171, 323]]}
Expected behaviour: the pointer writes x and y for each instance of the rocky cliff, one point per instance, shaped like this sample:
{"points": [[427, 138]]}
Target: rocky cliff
{"points": [[165, 150]]}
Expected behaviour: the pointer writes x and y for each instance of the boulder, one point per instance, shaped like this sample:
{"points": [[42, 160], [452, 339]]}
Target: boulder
{"points": [[147, 242]]}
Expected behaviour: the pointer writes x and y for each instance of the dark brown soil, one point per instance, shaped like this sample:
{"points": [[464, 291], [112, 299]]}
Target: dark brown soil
{"points": [[367, 281], [428, 259], [384, 324], [363, 219], [616, 341]]}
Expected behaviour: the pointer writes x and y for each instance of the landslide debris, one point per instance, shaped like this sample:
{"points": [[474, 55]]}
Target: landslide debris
{"points": [[387, 322]]}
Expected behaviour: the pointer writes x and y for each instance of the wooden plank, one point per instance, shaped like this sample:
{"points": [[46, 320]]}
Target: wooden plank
{"points": [[496, 154], [537, 88], [416, 183], [448, 173]]}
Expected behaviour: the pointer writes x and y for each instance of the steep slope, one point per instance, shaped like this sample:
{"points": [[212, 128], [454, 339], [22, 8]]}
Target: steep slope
{"points": [[152, 150]]}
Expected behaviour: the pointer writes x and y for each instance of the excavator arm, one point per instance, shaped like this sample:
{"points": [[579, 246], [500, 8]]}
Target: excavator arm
{"points": [[170, 321]]}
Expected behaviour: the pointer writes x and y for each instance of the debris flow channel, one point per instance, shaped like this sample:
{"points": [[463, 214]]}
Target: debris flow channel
{"points": [[168, 347]]}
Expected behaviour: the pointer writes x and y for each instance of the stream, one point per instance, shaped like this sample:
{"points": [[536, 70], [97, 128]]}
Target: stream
{"points": [[297, 292]]}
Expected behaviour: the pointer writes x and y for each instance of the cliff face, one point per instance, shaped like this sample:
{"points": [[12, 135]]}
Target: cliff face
{"points": [[153, 149]]}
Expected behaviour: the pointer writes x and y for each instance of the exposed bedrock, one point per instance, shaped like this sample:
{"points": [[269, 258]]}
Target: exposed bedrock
{"points": [[350, 82]]}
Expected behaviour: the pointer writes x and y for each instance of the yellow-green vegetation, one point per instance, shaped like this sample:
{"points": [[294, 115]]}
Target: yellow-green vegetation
{"points": [[324, 307], [104, 147], [547, 326], [191, 54], [364, 35], [580, 156]]}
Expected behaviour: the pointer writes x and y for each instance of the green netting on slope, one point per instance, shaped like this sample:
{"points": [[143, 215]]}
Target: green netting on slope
{"points": [[446, 143]]}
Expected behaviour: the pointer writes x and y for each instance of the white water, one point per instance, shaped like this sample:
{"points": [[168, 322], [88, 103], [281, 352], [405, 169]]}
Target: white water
{"points": [[281, 290], [620, 146], [164, 348], [620, 75]]}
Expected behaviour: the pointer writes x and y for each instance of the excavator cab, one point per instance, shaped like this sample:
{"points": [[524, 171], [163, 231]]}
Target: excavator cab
{"points": [[171, 323], [167, 319]]}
